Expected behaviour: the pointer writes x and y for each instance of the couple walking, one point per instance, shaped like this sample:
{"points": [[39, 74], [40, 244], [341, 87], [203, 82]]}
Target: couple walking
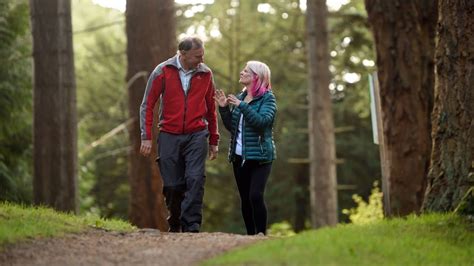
{"points": [[188, 134]]}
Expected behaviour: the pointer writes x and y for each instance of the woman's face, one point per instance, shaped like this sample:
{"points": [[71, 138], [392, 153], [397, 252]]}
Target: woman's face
{"points": [[246, 76]]}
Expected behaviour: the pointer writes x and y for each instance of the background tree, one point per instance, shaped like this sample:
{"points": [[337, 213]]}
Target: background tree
{"points": [[322, 153], [55, 125], [151, 38], [15, 103], [404, 34], [451, 173]]}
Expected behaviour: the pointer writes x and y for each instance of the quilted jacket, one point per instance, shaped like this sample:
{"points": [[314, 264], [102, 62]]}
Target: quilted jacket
{"points": [[257, 125]]}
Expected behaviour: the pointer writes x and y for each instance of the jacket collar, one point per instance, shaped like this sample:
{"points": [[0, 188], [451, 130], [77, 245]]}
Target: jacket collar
{"points": [[173, 61], [244, 93]]}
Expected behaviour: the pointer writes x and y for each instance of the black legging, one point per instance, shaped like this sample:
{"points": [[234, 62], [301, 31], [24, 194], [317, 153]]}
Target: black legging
{"points": [[251, 179]]}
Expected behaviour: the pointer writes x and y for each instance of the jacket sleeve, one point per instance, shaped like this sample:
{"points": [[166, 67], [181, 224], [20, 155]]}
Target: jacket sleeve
{"points": [[226, 116], [211, 115], [261, 119], [153, 91]]}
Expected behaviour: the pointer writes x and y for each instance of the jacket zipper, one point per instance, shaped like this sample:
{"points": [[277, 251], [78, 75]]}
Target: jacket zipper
{"points": [[243, 135], [243, 140], [234, 138]]}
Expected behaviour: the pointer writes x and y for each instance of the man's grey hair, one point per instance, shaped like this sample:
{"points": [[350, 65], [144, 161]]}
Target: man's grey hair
{"points": [[189, 43]]}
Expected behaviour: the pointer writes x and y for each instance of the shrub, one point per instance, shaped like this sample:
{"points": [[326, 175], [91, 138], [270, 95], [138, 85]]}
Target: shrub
{"points": [[366, 212], [281, 229]]}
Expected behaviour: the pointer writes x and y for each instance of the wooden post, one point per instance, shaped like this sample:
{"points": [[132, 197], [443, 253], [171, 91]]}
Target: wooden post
{"points": [[377, 128]]}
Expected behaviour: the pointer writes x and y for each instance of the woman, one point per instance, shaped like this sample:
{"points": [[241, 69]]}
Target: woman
{"points": [[249, 117]]}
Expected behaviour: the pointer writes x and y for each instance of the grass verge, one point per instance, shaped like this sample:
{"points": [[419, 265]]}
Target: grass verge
{"points": [[20, 222], [434, 239]]}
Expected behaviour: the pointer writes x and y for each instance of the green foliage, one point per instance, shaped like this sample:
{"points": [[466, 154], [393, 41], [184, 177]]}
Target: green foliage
{"points": [[438, 239], [18, 222], [365, 212], [102, 106], [281, 229], [15, 102]]}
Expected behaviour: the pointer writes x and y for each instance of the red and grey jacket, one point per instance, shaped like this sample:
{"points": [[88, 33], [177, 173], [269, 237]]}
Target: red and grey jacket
{"points": [[180, 113]]}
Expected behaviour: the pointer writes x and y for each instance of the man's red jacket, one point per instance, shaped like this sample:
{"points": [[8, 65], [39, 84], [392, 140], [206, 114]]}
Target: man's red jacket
{"points": [[180, 113]]}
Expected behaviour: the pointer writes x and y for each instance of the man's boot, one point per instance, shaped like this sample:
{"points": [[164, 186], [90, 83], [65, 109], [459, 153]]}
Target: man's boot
{"points": [[173, 198]]}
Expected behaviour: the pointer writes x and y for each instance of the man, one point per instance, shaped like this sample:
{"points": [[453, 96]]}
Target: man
{"points": [[187, 118]]}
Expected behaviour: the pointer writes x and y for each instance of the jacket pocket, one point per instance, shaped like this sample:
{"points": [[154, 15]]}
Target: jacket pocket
{"points": [[261, 142]]}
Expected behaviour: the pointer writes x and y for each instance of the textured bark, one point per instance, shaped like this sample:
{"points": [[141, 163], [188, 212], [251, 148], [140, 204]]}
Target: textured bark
{"points": [[150, 27], [404, 34], [55, 130], [323, 193], [451, 173]]}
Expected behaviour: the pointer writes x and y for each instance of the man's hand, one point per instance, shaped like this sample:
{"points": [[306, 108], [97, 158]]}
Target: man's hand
{"points": [[213, 149], [145, 148]]}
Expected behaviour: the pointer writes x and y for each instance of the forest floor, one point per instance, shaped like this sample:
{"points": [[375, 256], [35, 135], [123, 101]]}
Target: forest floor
{"points": [[142, 247]]}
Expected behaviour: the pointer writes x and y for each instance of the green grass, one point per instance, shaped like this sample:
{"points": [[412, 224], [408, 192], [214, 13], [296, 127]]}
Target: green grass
{"points": [[21, 222], [435, 239]]}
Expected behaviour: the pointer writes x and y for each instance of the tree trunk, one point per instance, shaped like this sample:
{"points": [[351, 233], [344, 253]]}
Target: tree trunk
{"points": [[404, 34], [55, 123], [151, 38], [322, 153], [451, 173]]}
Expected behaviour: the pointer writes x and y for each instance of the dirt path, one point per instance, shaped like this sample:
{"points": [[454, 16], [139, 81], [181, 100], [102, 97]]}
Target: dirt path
{"points": [[145, 247]]}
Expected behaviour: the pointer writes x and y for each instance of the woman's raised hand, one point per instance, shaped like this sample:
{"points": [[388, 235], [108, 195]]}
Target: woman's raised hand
{"points": [[231, 99], [220, 98]]}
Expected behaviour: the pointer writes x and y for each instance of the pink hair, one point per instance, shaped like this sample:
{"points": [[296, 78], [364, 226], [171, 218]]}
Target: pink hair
{"points": [[261, 78]]}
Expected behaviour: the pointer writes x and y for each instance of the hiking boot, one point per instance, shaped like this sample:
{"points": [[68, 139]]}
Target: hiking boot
{"points": [[194, 228], [173, 198], [175, 229]]}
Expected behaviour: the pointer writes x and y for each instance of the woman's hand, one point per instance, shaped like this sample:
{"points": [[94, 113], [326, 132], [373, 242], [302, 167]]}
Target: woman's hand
{"points": [[231, 99], [220, 98]]}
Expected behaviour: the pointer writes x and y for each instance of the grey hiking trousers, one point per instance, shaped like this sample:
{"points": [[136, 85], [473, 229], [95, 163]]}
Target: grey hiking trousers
{"points": [[182, 159]]}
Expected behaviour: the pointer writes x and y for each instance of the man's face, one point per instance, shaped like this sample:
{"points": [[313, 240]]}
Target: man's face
{"points": [[192, 58]]}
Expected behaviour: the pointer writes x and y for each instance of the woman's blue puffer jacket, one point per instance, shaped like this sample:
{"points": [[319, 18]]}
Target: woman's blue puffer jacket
{"points": [[257, 126]]}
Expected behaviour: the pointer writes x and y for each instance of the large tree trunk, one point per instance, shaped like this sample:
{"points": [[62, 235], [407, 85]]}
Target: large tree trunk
{"points": [[151, 39], [322, 151], [55, 128], [404, 36], [451, 173]]}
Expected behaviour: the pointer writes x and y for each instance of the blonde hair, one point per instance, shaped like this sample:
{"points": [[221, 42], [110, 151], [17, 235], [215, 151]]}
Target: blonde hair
{"points": [[261, 78]]}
